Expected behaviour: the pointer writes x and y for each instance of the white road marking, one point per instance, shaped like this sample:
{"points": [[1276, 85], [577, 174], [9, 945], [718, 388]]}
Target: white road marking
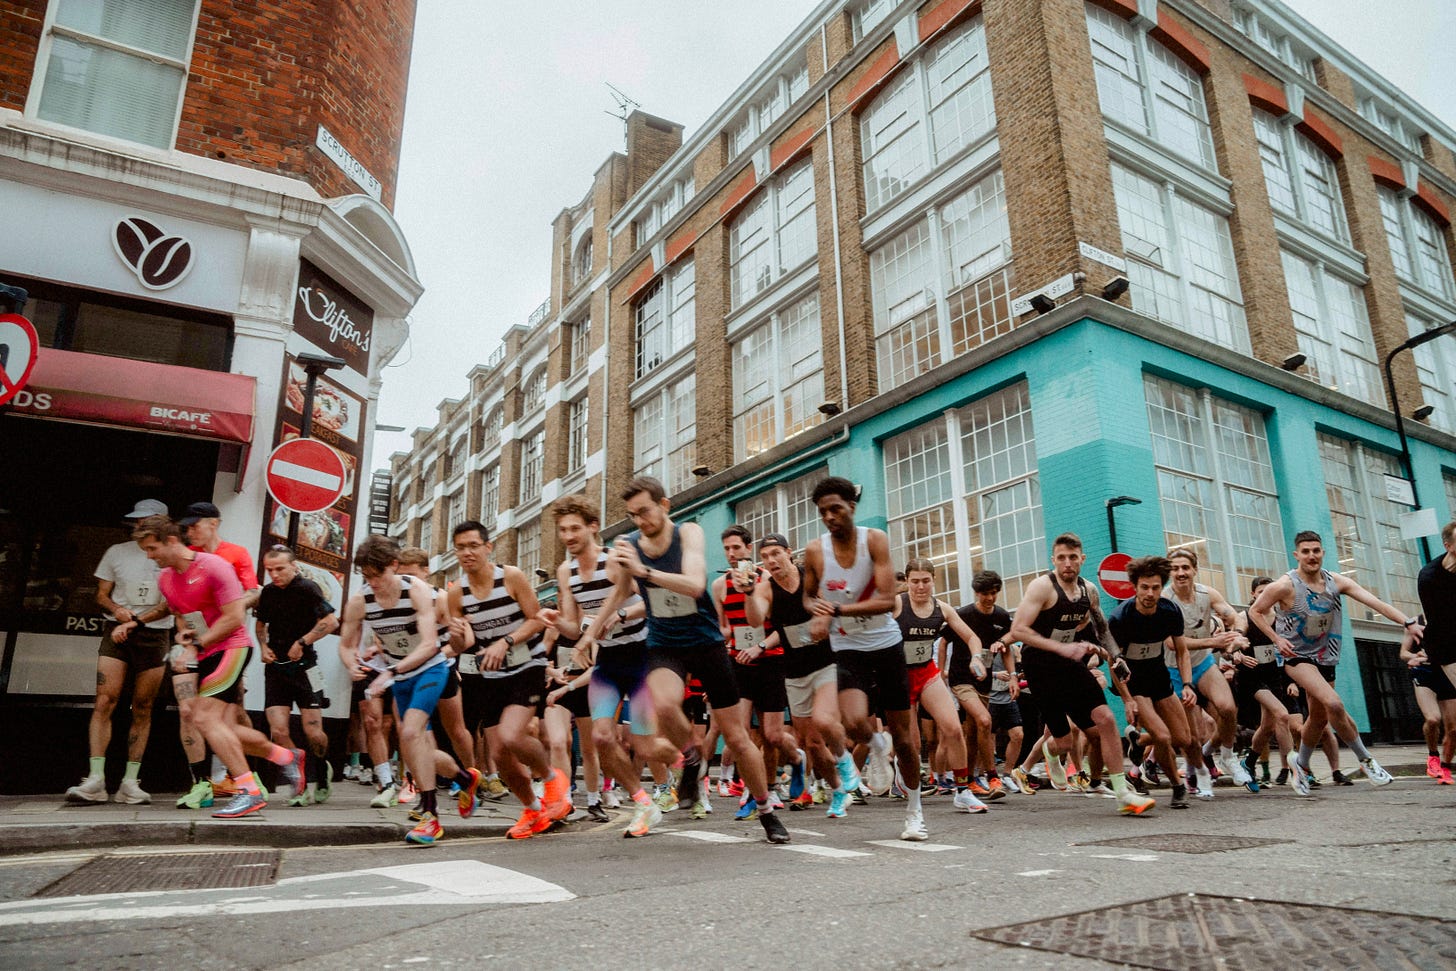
{"points": [[921, 847], [707, 836], [1037, 873], [1134, 857], [827, 851], [803, 832]]}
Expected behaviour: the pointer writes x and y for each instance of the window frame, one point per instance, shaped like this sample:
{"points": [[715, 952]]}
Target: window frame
{"points": [[777, 231], [1294, 147], [533, 464], [778, 505], [676, 449], [1403, 221], [1346, 367], [578, 416], [676, 313], [778, 377]]}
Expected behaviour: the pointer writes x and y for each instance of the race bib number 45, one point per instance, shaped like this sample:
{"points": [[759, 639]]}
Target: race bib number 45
{"points": [[669, 603], [745, 638]]}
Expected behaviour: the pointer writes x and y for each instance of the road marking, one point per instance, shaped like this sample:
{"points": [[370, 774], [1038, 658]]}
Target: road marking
{"points": [[921, 847], [1037, 873], [803, 832], [1134, 857], [708, 837], [827, 851]]}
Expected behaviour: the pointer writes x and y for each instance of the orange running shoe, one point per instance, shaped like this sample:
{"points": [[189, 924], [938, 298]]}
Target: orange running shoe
{"points": [[557, 797], [466, 799], [532, 821]]}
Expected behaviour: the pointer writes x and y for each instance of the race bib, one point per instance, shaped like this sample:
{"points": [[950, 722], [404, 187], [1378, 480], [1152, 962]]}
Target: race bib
{"points": [[1063, 636], [193, 621], [1143, 652], [1318, 625], [669, 603], [745, 638], [517, 655], [315, 677], [918, 652], [469, 664], [398, 643], [855, 625], [1264, 653], [797, 635], [142, 594]]}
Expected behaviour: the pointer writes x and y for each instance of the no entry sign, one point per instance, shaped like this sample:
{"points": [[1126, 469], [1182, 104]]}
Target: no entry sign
{"points": [[305, 475], [18, 350], [1112, 575]]}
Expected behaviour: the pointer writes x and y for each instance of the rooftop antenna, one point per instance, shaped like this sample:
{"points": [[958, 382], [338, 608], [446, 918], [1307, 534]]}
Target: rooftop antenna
{"points": [[624, 106]]}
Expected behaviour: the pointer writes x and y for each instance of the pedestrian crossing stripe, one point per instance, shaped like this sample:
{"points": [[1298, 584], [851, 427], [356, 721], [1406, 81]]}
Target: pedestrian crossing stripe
{"points": [[921, 847]]}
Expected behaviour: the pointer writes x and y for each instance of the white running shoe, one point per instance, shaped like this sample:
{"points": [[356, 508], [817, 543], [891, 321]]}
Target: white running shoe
{"points": [[1376, 775], [966, 802], [610, 799], [879, 774], [1204, 784], [1299, 776], [915, 831], [130, 793], [1225, 767], [91, 789], [386, 798], [1240, 774]]}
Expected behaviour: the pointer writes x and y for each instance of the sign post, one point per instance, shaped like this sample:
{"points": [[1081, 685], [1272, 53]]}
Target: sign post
{"points": [[1112, 576]]}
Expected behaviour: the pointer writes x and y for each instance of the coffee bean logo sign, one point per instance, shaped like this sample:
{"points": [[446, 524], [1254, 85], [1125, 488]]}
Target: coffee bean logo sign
{"points": [[159, 261]]}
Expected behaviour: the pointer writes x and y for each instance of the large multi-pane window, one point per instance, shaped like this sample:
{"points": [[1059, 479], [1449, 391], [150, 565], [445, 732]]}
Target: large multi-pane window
{"points": [[962, 491], [1302, 180], [1417, 246], [1268, 36], [580, 346], [670, 199], [1180, 260], [1385, 118], [1215, 485], [117, 67], [528, 549], [867, 14], [533, 455], [427, 534], [490, 429], [665, 434], [774, 234], [1332, 328], [1448, 479], [778, 378], [943, 285], [1147, 89], [934, 108], [1367, 540], [581, 261], [665, 317], [576, 435], [768, 107], [1436, 366], [534, 390], [455, 512], [490, 496], [786, 508]]}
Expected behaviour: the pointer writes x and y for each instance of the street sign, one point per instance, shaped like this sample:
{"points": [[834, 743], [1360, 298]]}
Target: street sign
{"points": [[305, 475], [1112, 575], [18, 350], [1399, 490]]}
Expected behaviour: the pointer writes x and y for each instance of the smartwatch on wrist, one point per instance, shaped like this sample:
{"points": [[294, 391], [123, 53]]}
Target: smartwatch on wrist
{"points": [[622, 614], [510, 641], [836, 610]]}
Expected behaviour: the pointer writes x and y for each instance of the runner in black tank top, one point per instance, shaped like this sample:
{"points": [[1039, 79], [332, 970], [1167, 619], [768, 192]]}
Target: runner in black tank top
{"points": [[1260, 678]]}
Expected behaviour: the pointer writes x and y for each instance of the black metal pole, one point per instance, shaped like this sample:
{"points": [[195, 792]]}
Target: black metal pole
{"points": [[305, 429], [1112, 526], [1405, 455]]}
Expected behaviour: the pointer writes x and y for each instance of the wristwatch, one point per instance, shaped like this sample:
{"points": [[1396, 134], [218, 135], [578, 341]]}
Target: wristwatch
{"points": [[622, 614], [510, 641]]}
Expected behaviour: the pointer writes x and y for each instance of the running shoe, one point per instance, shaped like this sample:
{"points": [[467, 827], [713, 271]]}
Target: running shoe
{"points": [[773, 828], [292, 773], [1445, 779], [796, 777], [1283, 777], [702, 809], [1180, 797], [198, 797], [417, 812], [325, 785], [365, 776], [1022, 782], [1077, 783], [665, 798], [896, 790], [1101, 788], [427, 833], [131, 794], [1056, 772], [945, 786], [1374, 773], [747, 809], [1314, 782], [1135, 779], [1339, 778], [242, 804], [1204, 784], [1132, 804], [557, 797], [304, 798], [385, 798], [1243, 777], [929, 787], [802, 801], [821, 792], [467, 799], [978, 790], [849, 779], [861, 796], [597, 814], [879, 773], [1299, 775], [966, 802], [1263, 773], [774, 801], [610, 799], [93, 789], [532, 822], [646, 817], [996, 789], [407, 790], [1222, 763], [915, 831], [494, 788], [838, 805], [1134, 750], [1150, 772], [351, 771], [1433, 766], [735, 787]]}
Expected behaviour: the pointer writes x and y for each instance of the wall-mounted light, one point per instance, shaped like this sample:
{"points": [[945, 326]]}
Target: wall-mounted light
{"points": [[702, 471], [1043, 304], [1423, 412], [1293, 362], [829, 408], [1115, 287]]}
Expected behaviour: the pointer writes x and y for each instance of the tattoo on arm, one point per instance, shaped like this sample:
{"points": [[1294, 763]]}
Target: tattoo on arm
{"points": [[100, 679], [185, 689]]}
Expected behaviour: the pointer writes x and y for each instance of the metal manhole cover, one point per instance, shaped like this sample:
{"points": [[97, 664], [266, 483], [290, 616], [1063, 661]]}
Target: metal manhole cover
{"points": [[168, 871], [1193, 932], [1186, 842]]}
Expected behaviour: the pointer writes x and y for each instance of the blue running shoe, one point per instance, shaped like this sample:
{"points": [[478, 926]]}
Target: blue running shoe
{"points": [[848, 775], [796, 778], [242, 804], [838, 805], [748, 810]]}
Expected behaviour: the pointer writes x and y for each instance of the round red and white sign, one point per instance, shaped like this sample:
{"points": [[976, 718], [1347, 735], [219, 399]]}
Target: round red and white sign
{"points": [[1112, 575], [305, 475], [18, 351]]}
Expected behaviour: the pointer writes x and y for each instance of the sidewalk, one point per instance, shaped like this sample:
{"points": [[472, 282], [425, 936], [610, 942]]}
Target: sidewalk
{"points": [[38, 823]]}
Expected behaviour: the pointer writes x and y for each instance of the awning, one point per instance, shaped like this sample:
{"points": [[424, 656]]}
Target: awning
{"points": [[116, 391]]}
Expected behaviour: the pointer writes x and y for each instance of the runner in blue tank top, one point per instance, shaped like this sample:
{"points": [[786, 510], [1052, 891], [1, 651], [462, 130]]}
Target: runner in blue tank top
{"points": [[668, 563], [1309, 626]]}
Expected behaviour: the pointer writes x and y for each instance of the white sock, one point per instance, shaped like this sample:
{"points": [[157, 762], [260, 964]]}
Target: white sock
{"points": [[912, 796], [219, 771], [384, 775], [592, 798]]}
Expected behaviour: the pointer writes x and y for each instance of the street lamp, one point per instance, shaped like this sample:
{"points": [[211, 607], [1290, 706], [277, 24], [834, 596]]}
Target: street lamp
{"points": [[313, 366], [1112, 504], [1405, 455]]}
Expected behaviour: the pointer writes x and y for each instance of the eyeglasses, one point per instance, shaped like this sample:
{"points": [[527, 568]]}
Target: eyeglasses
{"points": [[468, 547]]}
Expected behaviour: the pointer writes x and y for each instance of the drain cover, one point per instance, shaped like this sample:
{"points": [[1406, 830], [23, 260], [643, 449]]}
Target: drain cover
{"points": [[1192, 932], [1186, 842], [168, 871]]}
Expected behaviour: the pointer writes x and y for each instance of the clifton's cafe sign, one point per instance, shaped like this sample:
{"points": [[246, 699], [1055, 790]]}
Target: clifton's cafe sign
{"points": [[332, 318]]}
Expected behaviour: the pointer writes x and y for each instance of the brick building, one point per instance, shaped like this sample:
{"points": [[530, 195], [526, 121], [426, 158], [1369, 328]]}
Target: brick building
{"points": [[835, 274], [197, 192]]}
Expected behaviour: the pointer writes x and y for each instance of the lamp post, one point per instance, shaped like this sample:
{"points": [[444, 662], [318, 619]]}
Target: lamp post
{"points": [[313, 366], [1405, 455], [1112, 504]]}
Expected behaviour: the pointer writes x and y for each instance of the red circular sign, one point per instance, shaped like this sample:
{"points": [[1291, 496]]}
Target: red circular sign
{"points": [[305, 475], [18, 351], [1112, 575]]}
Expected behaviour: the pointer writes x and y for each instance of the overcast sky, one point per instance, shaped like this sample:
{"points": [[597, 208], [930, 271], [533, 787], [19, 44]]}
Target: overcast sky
{"points": [[507, 120]]}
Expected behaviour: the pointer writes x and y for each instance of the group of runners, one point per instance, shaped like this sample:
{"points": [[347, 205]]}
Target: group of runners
{"points": [[825, 676]]}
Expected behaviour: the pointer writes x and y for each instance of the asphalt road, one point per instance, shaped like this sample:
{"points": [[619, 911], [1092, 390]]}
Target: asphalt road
{"points": [[845, 894]]}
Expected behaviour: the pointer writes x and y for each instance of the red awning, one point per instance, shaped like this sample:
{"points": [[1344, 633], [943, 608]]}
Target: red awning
{"points": [[69, 386]]}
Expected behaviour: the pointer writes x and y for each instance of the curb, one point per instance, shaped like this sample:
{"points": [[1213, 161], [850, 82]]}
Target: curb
{"points": [[40, 837]]}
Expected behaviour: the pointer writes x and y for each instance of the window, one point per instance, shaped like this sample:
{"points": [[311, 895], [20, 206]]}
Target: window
{"points": [[528, 550], [533, 454], [1417, 245], [117, 67], [533, 391], [576, 435], [767, 108], [1436, 366], [1385, 118], [427, 534], [1262, 32], [665, 317], [581, 261], [665, 434], [943, 286], [934, 108], [778, 379], [1301, 178], [656, 214], [490, 429], [1215, 485], [490, 496], [867, 14], [962, 491], [1180, 260], [579, 347], [1367, 539], [774, 234], [1449, 480], [786, 508], [455, 458], [1147, 89], [456, 511], [1333, 329]]}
